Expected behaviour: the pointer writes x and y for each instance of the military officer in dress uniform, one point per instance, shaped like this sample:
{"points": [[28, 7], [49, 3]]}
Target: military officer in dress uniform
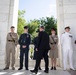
{"points": [[66, 43], [24, 42], [53, 53], [11, 43]]}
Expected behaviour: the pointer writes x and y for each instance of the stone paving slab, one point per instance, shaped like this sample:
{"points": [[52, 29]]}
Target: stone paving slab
{"points": [[59, 71], [23, 72], [72, 72]]}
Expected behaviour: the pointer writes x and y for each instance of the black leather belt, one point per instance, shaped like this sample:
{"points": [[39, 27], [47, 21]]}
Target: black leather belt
{"points": [[10, 40], [52, 43]]}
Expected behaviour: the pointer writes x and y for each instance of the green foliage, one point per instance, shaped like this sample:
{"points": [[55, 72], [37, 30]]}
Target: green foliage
{"points": [[21, 13], [33, 26], [49, 22], [21, 22]]}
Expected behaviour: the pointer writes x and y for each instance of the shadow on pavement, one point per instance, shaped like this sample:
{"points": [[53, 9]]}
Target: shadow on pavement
{"points": [[72, 72]]}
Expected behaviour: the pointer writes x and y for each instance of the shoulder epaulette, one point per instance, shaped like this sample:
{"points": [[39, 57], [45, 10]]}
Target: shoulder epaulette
{"points": [[63, 32]]}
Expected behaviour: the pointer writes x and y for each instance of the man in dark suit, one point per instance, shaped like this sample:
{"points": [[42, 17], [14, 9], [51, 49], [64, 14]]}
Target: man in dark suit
{"points": [[24, 42], [42, 50], [35, 41]]}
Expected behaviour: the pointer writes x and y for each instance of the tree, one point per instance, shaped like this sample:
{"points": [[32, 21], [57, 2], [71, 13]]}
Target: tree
{"points": [[21, 22], [49, 22], [33, 26]]}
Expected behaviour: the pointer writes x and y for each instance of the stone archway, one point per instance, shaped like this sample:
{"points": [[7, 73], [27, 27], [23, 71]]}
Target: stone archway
{"points": [[66, 16]]}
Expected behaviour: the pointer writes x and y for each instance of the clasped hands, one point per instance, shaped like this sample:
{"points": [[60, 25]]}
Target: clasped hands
{"points": [[24, 46]]}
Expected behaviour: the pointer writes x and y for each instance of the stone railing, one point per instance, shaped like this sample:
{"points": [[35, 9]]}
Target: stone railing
{"points": [[31, 61]]}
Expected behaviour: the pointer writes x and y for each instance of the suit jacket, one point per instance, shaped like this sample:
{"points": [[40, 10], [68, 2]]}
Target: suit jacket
{"points": [[35, 46], [35, 42], [43, 41]]}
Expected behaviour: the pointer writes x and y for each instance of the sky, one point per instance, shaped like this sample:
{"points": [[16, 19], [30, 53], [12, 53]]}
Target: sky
{"points": [[36, 9]]}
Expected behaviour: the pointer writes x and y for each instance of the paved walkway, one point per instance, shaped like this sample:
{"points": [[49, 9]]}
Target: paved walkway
{"points": [[24, 72]]}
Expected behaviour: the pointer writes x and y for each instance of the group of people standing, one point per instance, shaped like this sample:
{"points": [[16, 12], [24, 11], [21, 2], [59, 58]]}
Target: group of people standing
{"points": [[43, 44]]}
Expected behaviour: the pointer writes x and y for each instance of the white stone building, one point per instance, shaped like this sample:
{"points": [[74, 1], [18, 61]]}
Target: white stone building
{"points": [[8, 17], [66, 16]]}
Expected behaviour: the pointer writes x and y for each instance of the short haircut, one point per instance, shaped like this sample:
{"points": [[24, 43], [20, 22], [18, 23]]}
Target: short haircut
{"points": [[42, 27], [53, 29], [25, 27]]}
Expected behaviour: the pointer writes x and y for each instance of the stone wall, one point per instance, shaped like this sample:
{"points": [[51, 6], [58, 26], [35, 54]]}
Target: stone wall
{"points": [[66, 16], [8, 17]]}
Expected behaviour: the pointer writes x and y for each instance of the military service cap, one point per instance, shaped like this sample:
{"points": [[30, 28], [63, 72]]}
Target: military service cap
{"points": [[67, 27], [12, 27]]}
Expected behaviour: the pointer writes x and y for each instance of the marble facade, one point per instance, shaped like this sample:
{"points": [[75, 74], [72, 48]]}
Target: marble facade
{"points": [[66, 16], [8, 17]]}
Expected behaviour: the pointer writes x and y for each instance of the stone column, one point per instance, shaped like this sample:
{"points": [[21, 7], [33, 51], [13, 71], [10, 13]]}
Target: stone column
{"points": [[8, 17], [66, 16]]}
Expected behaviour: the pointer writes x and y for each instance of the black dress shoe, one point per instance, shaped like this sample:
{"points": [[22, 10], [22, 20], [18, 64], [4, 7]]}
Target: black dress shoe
{"points": [[27, 69], [6, 68], [54, 68], [20, 68], [34, 71], [46, 71], [40, 68], [51, 68]]}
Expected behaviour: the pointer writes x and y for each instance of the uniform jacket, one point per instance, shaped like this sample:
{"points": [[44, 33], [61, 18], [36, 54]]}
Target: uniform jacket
{"points": [[53, 41], [66, 40], [24, 39], [35, 42], [12, 37]]}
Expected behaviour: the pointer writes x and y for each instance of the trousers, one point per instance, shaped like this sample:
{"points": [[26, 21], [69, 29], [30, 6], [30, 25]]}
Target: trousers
{"points": [[24, 52], [10, 50], [42, 54], [67, 54]]}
